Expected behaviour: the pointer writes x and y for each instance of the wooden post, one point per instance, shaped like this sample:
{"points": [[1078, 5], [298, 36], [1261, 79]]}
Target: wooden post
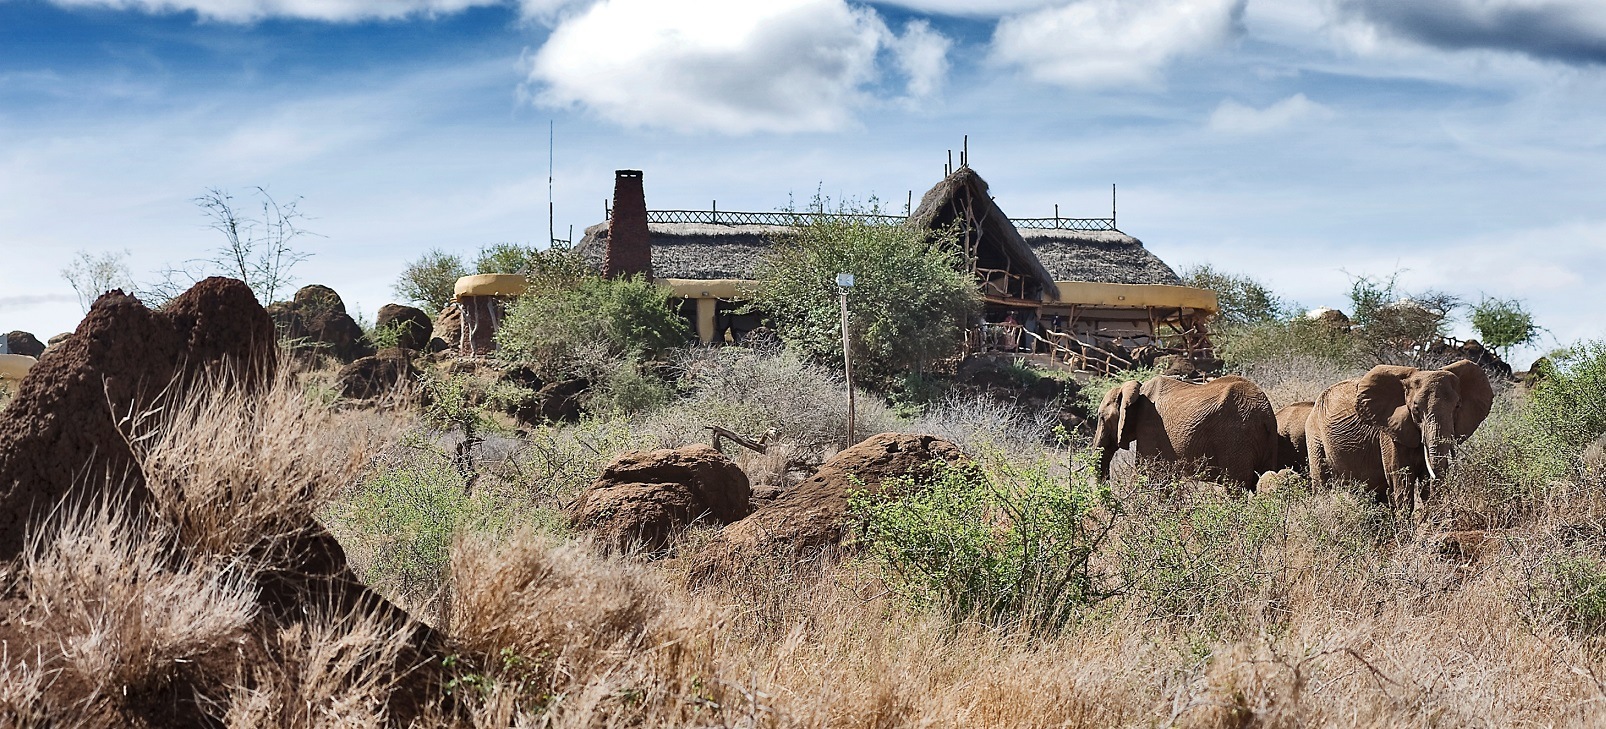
{"points": [[847, 366]]}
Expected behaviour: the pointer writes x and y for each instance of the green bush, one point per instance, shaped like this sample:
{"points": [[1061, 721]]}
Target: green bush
{"points": [[910, 303], [402, 518], [1266, 341], [1013, 548], [560, 332], [1243, 300], [1196, 556], [1564, 412], [430, 280], [1571, 588]]}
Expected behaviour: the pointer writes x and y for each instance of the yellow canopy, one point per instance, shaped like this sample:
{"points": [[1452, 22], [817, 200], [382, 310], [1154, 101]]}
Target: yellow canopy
{"points": [[1089, 293], [490, 284], [15, 366]]}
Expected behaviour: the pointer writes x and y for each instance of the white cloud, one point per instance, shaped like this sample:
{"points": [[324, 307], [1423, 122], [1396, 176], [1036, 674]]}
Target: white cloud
{"points": [[1092, 43], [731, 66], [1570, 31], [1233, 117], [922, 55], [245, 11], [973, 8]]}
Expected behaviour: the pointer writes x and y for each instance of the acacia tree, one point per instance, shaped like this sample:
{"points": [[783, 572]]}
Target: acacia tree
{"points": [[430, 280], [1394, 327], [910, 303], [92, 275], [1503, 324], [257, 250]]}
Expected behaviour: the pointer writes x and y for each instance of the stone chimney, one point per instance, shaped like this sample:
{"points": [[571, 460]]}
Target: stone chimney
{"points": [[629, 249]]}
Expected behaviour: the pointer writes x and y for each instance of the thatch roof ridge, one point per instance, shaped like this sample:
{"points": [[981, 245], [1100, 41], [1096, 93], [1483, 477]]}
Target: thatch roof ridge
{"points": [[995, 222], [695, 250], [1107, 256]]}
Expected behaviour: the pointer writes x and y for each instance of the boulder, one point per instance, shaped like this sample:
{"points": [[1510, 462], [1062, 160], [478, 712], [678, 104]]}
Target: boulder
{"points": [[812, 519], [560, 401], [24, 344], [644, 499], [413, 327], [449, 326], [315, 321], [58, 339], [377, 375]]}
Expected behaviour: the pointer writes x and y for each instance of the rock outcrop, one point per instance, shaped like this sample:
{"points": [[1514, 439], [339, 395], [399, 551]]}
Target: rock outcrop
{"points": [[24, 344], [386, 371], [412, 326], [812, 518], [449, 326], [643, 499], [315, 321], [59, 439]]}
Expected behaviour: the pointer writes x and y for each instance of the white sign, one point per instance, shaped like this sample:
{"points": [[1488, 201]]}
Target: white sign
{"points": [[845, 280]]}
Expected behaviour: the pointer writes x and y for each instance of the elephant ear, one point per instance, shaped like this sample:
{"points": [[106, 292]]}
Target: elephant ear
{"points": [[1477, 397], [1380, 399], [1129, 400]]}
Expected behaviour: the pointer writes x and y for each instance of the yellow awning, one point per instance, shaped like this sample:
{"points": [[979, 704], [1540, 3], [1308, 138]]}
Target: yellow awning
{"points": [[15, 366], [490, 284], [1089, 293]]}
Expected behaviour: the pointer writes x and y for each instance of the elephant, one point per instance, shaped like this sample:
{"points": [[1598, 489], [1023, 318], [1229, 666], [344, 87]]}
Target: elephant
{"points": [[1395, 429], [1291, 452], [1226, 424]]}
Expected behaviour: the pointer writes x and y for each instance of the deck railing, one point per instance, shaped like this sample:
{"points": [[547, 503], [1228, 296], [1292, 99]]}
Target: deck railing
{"points": [[716, 216]]}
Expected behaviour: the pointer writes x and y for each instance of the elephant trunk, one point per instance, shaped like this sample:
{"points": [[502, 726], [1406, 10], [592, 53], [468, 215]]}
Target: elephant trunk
{"points": [[1105, 457], [1438, 450]]}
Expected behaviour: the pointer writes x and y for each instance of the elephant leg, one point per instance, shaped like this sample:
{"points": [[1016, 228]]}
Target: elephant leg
{"points": [[1313, 455]]}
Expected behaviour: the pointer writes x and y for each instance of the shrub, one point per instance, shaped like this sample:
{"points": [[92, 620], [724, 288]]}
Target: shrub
{"points": [[1571, 589], [755, 391], [1196, 556], [557, 331], [430, 280], [1013, 548], [909, 306], [503, 258], [1564, 412], [1243, 300], [405, 514], [1270, 340]]}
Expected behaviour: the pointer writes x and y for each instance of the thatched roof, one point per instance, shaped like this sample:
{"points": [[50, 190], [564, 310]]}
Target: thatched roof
{"points": [[1105, 256], [940, 204], [706, 252], [695, 250]]}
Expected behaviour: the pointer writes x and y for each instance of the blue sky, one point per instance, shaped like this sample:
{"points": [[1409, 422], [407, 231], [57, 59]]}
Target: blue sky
{"points": [[1299, 141]]}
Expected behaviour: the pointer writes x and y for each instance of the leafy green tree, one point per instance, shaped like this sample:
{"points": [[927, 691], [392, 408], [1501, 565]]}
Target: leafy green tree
{"points": [[429, 281], [627, 318], [1243, 300], [556, 267], [910, 303], [503, 258], [1503, 324]]}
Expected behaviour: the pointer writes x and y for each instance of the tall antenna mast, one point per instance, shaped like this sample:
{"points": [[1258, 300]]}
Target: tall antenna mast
{"points": [[551, 225]]}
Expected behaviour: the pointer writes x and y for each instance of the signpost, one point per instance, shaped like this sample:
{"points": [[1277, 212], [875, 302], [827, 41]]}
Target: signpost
{"points": [[844, 281]]}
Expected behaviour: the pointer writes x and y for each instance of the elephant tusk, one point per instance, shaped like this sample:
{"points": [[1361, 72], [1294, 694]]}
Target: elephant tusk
{"points": [[1428, 456]]}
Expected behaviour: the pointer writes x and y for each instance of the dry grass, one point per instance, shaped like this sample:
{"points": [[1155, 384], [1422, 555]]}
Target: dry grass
{"points": [[1276, 610]]}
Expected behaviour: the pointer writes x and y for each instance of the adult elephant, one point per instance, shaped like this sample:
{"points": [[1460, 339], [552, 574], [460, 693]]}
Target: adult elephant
{"points": [[1291, 450], [1225, 425], [1396, 428]]}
